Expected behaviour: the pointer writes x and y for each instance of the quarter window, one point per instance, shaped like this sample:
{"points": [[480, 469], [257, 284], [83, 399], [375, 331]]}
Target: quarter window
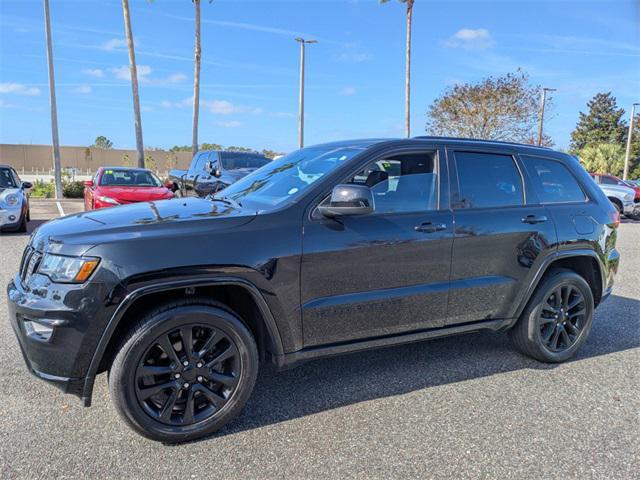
{"points": [[553, 182], [488, 180]]}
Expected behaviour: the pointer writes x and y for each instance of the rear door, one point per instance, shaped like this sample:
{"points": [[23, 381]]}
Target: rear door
{"points": [[501, 233]]}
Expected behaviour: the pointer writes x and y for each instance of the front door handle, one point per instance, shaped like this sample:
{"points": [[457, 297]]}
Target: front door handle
{"points": [[532, 219], [429, 227]]}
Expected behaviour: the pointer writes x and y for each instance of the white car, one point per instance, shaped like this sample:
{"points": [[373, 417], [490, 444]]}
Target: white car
{"points": [[14, 201], [622, 198]]}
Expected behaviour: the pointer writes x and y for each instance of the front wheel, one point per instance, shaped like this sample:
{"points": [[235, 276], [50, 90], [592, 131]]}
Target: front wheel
{"points": [[558, 318], [184, 371]]}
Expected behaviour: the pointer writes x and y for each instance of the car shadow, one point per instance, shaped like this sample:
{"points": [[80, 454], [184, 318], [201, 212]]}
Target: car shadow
{"points": [[31, 226], [335, 382]]}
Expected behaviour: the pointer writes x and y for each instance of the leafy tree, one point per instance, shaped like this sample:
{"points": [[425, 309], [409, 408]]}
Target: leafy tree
{"points": [[271, 153], [603, 158], [211, 146], [602, 124], [180, 148], [103, 143], [497, 108], [239, 149], [150, 163]]}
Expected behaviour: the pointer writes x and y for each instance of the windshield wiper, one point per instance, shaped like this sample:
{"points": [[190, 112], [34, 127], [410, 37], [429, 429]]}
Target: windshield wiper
{"points": [[226, 200]]}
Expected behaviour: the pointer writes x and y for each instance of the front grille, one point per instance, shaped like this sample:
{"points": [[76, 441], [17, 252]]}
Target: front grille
{"points": [[30, 262]]}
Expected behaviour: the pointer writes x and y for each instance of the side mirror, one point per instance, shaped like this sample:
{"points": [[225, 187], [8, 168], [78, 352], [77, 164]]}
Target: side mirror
{"points": [[88, 183], [27, 185], [348, 199], [210, 168], [170, 185]]}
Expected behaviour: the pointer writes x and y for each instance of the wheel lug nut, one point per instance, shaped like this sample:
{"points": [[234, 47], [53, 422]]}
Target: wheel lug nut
{"points": [[177, 375], [186, 385], [200, 379], [199, 365], [185, 363]]}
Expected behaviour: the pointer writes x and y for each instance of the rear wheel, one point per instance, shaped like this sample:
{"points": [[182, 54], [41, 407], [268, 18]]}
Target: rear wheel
{"points": [[184, 371], [558, 318]]}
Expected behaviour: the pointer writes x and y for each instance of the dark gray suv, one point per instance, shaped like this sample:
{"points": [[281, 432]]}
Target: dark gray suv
{"points": [[334, 248]]}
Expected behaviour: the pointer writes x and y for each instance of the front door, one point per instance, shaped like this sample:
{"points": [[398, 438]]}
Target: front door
{"points": [[386, 272], [501, 232]]}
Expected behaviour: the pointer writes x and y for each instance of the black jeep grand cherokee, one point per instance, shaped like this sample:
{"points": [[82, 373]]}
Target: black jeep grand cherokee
{"points": [[331, 249]]}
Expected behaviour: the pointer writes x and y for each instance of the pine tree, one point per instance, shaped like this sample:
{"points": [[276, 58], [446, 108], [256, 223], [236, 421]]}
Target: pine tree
{"points": [[603, 123]]}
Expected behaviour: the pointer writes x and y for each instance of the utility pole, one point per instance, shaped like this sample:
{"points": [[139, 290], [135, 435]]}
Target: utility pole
{"points": [[542, 105], [57, 172], [302, 42], [629, 137]]}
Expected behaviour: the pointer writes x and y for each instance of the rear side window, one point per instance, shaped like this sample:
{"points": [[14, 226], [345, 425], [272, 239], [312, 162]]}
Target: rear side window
{"points": [[488, 180], [553, 182], [608, 180]]}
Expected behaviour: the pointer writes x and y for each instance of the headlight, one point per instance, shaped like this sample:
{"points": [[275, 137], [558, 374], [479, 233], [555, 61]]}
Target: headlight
{"points": [[108, 200], [628, 197], [67, 269], [11, 200]]}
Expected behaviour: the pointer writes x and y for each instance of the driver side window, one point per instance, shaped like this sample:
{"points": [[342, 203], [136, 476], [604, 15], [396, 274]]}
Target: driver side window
{"points": [[402, 183]]}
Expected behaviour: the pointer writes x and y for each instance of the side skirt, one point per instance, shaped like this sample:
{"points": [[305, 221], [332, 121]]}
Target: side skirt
{"points": [[294, 359]]}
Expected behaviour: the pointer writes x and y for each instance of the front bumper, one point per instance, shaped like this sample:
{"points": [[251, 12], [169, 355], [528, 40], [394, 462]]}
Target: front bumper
{"points": [[10, 217], [631, 208]]}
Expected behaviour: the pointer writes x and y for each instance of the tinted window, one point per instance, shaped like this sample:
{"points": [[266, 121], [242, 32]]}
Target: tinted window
{"points": [[234, 161], [202, 160], [608, 181], [488, 180], [6, 179], [553, 182], [402, 183]]}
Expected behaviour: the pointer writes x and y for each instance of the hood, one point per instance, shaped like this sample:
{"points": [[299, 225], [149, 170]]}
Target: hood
{"points": [[75, 234], [134, 194], [620, 189]]}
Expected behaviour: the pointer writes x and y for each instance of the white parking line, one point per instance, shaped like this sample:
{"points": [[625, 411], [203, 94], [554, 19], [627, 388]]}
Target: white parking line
{"points": [[60, 210]]}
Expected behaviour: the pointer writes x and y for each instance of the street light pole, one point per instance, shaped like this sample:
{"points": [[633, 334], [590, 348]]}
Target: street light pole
{"points": [[542, 105], [302, 42], [629, 137]]}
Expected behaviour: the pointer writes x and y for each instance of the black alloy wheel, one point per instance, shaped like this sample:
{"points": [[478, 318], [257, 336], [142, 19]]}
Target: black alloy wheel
{"points": [[557, 319], [562, 318], [187, 374], [184, 370]]}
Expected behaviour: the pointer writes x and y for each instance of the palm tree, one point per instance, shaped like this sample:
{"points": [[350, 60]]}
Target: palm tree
{"points": [[57, 173], [407, 85], [134, 83], [196, 82]]}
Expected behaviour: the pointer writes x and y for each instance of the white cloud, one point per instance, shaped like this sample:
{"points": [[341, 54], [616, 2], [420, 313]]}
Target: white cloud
{"points": [[114, 44], [176, 78], [282, 114], [355, 57], [470, 39], [94, 72], [229, 124], [348, 90], [224, 107], [83, 89], [124, 72], [18, 89]]}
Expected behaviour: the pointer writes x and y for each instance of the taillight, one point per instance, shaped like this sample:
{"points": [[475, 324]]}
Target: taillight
{"points": [[614, 216]]}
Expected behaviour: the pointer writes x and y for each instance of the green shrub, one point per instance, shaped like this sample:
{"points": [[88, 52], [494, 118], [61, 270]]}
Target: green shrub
{"points": [[73, 189], [42, 189]]}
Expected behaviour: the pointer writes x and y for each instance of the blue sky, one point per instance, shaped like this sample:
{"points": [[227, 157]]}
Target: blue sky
{"points": [[355, 74]]}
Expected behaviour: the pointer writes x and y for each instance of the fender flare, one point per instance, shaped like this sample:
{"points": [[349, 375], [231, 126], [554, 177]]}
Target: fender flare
{"points": [[547, 262], [138, 293]]}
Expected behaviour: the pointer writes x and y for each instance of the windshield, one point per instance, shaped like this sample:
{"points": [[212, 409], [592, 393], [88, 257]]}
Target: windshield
{"points": [[129, 178], [6, 179], [232, 161], [288, 177]]}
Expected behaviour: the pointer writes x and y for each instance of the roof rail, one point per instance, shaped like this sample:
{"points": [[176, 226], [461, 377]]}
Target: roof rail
{"points": [[478, 140]]}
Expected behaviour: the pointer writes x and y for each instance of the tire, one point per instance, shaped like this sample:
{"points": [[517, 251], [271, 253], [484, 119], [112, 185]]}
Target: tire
{"points": [[22, 227], [156, 417], [617, 204], [539, 319]]}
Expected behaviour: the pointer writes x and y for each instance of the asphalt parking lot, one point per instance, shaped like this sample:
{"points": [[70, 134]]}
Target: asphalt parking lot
{"points": [[461, 407]]}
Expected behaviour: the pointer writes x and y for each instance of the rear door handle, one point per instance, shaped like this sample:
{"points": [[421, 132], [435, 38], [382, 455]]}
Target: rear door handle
{"points": [[532, 219], [429, 227]]}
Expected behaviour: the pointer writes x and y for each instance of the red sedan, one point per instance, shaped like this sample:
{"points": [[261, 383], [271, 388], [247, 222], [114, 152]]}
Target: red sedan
{"points": [[112, 186]]}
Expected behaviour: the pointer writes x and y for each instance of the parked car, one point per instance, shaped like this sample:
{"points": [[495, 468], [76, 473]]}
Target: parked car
{"points": [[623, 197], [14, 201], [113, 186], [334, 248], [608, 179], [213, 170]]}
